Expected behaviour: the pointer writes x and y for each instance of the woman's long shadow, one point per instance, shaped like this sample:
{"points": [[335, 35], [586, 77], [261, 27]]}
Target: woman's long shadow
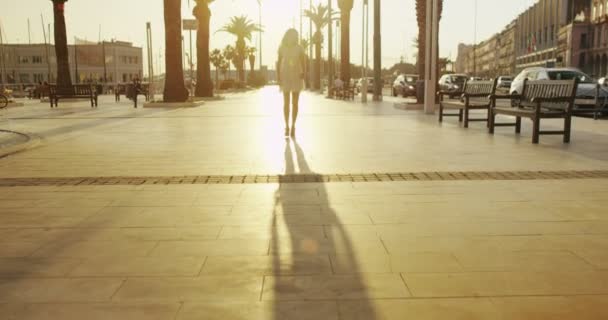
{"points": [[308, 274]]}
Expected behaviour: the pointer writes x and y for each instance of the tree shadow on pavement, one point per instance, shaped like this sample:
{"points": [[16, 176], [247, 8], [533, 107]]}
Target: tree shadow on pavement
{"points": [[301, 249]]}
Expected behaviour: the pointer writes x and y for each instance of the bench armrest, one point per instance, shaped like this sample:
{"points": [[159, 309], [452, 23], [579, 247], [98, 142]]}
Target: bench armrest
{"points": [[474, 95], [504, 96], [554, 99]]}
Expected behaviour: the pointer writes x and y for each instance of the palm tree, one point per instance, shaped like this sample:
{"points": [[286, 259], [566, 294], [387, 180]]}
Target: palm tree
{"points": [[421, 40], [242, 28], [204, 85], [217, 59], [175, 89], [345, 8], [319, 16], [229, 55], [64, 82], [305, 43]]}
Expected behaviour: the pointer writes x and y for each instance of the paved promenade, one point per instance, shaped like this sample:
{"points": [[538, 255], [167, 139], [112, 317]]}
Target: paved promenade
{"points": [[371, 213]]}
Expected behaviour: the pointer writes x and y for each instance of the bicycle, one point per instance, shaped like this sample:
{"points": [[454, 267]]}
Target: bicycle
{"points": [[4, 97], [3, 101]]}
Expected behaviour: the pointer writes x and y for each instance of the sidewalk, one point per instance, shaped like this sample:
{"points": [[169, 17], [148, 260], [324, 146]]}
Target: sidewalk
{"points": [[108, 248]]}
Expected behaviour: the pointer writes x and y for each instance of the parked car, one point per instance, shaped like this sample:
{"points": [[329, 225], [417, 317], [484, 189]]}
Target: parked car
{"points": [[370, 85], [504, 82], [452, 83], [586, 85], [405, 85]]}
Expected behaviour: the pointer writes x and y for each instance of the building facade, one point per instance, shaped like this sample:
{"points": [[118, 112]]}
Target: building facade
{"points": [[490, 58], [567, 33], [106, 62], [537, 33]]}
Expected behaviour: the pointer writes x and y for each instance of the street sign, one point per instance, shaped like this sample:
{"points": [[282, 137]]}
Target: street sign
{"points": [[190, 24]]}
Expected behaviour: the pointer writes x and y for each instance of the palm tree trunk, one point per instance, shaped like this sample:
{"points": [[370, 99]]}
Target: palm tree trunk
{"points": [[64, 81], [317, 85], [175, 89], [240, 52], [421, 19], [204, 86], [345, 46]]}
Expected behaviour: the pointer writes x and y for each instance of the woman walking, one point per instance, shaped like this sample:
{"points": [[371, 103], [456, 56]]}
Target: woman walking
{"points": [[290, 70]]}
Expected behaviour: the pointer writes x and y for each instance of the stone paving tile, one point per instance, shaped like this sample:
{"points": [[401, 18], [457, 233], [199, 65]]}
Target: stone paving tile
{"points": [[341, 287], [278, 231], [425, 262], [331, 245], [520, 260], [57, 290], [207, 288], [284, 310], [573, 307], [140, 267], [366, 263], [223, 247], [268, 265], [91, 311], [10, 249], [421, 309], [90, 249], [506, 283], [37, 267], [597, 258]]}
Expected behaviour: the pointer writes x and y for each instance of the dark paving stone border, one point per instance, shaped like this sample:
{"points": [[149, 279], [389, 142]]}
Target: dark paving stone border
{"points": [[15, 142], [310, 178]]}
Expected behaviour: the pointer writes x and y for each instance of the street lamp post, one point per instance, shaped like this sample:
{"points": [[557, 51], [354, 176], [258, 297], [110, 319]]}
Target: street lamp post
{"points": [[363, 50], [432, 34], [330, 57], [378, 83], [260, 31]]}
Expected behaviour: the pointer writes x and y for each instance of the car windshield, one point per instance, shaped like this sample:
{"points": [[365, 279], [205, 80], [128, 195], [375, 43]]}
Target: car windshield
{"points": [[569, 75], [459, 79], [410, 79], [506, 78]]}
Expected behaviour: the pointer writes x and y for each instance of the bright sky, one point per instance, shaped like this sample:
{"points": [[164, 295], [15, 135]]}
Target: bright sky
{"points": [[125, 20]]}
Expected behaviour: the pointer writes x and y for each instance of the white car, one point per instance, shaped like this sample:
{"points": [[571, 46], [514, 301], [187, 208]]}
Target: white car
{"points": [[586, 86]]}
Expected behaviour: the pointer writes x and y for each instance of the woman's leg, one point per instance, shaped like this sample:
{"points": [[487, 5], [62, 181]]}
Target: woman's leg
{"points": [[296, 102], [286, 108]]}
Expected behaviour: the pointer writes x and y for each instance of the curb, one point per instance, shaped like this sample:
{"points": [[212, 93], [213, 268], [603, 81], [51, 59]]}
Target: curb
{"points": [[33, 141]]}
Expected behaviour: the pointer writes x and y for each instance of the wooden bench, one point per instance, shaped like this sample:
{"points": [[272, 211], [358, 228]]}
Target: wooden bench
{"points": [[346, 93], [475, 96], [85, 91], [540, 99]]}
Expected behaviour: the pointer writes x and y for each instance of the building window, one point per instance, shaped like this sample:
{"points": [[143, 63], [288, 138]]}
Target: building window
{"points": [[24, 59], [37, 59], [594, 12], [38, 77], [24, 78]]}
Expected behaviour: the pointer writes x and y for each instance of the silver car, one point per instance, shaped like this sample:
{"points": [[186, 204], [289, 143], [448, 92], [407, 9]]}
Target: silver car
{"points": [[586, 86]]}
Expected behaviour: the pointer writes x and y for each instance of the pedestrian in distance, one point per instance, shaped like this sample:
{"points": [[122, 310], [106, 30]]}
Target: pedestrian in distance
{"points": [[117, 92], [290, 71]]}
